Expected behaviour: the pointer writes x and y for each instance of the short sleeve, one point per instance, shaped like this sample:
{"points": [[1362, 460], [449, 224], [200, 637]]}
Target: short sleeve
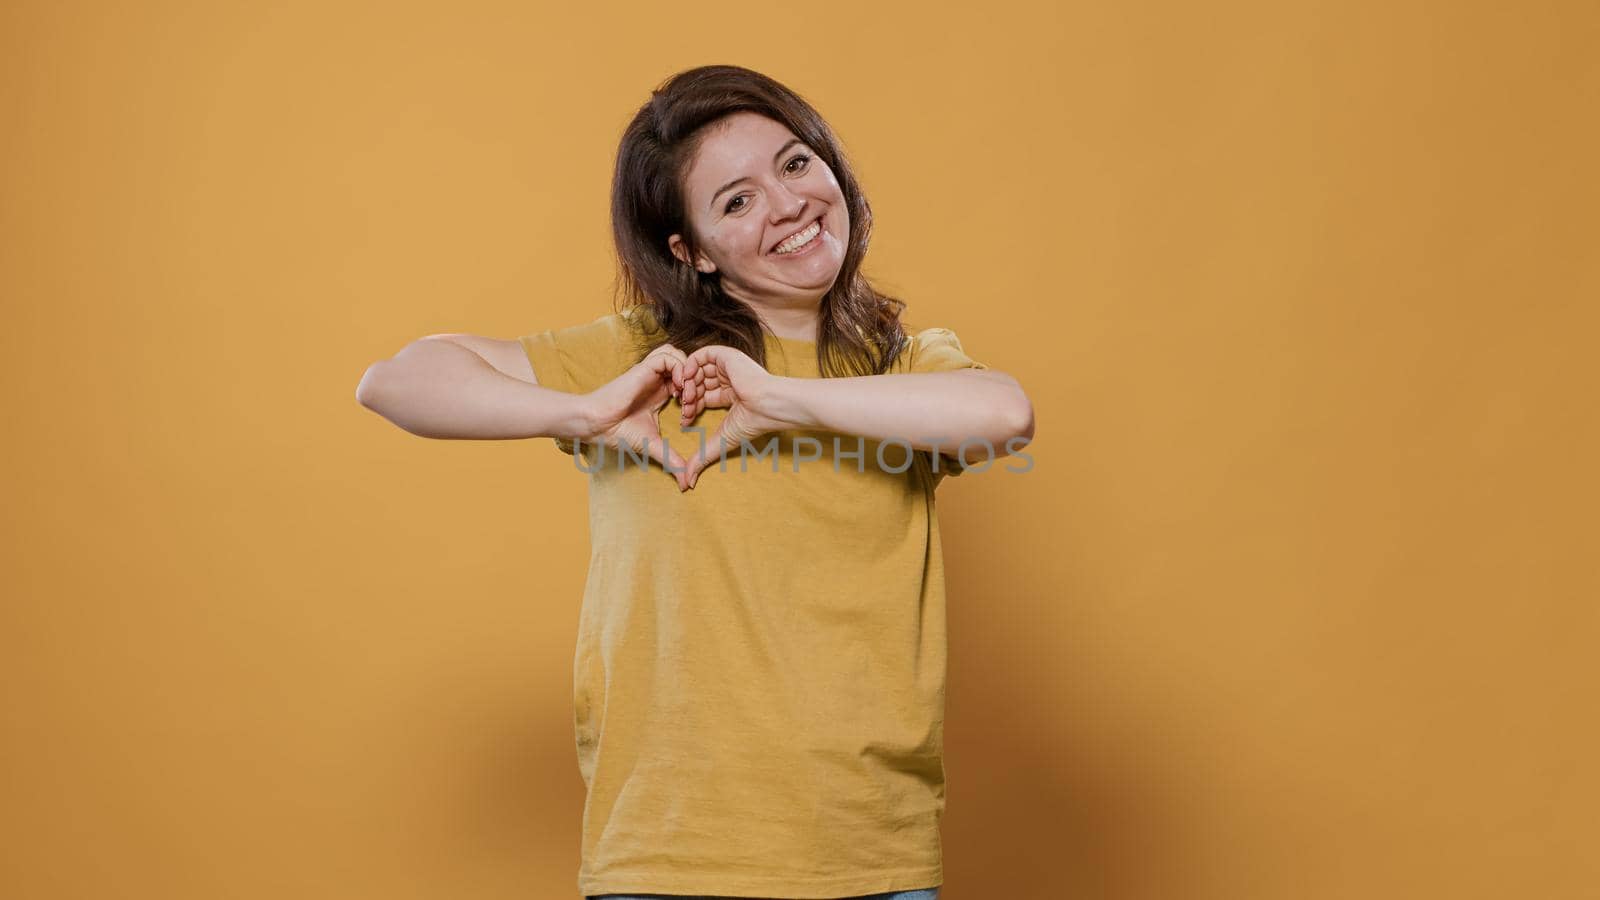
{"points": [[939, 350], [581, 358]]}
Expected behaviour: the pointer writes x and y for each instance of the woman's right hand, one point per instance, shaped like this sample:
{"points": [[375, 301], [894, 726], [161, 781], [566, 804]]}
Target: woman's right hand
{"points": [[624, 411]]}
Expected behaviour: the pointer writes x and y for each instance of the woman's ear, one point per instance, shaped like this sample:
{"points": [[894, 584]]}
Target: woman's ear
{"points": [[675, 244]]}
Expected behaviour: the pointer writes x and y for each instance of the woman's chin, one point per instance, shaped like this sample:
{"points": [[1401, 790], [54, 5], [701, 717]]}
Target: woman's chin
{"points": [[817, 268]]}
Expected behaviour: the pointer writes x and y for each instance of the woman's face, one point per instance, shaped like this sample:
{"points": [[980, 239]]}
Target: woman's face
{"points": [[751, 187]]}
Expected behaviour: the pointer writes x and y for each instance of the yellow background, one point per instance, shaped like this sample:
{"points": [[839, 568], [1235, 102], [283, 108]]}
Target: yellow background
{"points": [[1298, 601]]}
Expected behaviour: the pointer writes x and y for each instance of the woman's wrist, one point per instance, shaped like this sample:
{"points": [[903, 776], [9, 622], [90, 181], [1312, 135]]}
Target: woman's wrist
{"points": [[578, 417], [785, 402]]}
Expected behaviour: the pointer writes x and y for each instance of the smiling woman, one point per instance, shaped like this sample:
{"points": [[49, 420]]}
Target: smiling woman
{"points": [[717, 180], [759, 678]]}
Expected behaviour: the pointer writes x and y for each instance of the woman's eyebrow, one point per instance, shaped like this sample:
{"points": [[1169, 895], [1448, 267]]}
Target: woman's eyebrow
{"points": [[775, 156]]}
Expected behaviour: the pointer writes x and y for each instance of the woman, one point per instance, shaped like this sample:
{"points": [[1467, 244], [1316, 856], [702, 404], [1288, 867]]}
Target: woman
{"points": [[760, 670]]}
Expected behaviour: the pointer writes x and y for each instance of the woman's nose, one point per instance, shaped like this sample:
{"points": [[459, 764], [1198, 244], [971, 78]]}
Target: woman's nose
{"points": [[786, 204]]}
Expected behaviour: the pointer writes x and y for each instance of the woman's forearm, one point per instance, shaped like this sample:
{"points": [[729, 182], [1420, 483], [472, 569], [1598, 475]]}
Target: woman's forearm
{"points": [[935, 411], [439, 389]]}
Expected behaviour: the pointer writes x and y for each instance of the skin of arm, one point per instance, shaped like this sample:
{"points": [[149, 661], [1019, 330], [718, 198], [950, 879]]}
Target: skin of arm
{"points": [[439, 389], [984, 409], [933, 411]]}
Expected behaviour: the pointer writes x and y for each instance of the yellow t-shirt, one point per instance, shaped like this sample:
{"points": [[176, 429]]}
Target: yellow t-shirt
{"points": [[759, 678]]}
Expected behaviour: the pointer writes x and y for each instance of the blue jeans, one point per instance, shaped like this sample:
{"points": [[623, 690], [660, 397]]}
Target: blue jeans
{"points": [[920, 894]]}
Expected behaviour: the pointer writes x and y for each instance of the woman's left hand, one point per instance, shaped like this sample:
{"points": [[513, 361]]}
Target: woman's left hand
{"points": [[716, 376]]}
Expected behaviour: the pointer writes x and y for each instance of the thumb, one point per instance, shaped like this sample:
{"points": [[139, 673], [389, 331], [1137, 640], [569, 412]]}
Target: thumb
{"points": [[667, 455], [677, 467], [703, 458]]}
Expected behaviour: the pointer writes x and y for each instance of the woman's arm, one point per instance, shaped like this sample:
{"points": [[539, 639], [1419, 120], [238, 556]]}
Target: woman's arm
{"points": [[441, 389], [935, 411]]}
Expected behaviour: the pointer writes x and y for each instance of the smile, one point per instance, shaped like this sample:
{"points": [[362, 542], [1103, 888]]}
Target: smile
{"points": [[803, 241]]}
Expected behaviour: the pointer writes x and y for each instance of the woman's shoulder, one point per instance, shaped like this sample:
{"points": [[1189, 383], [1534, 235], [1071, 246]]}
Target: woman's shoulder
{"points": [[933, 349], [624, 329], [641, 319]]}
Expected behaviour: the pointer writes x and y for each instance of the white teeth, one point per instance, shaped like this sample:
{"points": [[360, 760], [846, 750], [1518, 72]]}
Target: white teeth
{"points": [[801, 239]]}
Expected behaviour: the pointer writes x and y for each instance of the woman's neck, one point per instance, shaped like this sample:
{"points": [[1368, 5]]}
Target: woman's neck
{"points": [[791, 323]]}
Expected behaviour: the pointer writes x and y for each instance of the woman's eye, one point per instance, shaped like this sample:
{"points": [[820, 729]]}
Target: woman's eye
{"points": [[803, 159]]}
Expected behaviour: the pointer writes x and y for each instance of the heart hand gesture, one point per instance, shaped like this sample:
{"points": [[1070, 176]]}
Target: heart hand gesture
{"points": [[726, 378], [625, 410]]}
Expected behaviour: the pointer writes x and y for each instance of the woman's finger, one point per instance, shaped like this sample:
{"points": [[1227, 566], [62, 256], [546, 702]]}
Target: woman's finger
{"points": [[710, 452], [709, 352], [697, 404], [697, 382], [672, 373], [678, 355], [720, 398], [709, 356], [666, 351], [670, 460], [661, 367], [648, 440], [662, 364], [677, 467]]}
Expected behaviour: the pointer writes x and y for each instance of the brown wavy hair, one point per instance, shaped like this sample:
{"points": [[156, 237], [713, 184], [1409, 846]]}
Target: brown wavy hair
{"points": [[858, 331]]}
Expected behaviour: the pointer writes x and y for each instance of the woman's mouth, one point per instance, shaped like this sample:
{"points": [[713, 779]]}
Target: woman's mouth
{"points": [[805, 241]]}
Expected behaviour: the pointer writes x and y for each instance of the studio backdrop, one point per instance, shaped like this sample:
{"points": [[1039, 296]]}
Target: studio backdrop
{"points": [[1297, 598]]}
